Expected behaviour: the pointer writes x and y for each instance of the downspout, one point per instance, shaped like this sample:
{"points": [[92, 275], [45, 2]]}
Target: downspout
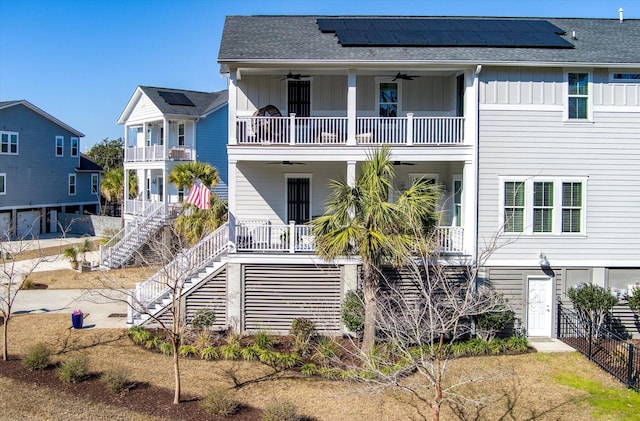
{"points": [[476, 82]]}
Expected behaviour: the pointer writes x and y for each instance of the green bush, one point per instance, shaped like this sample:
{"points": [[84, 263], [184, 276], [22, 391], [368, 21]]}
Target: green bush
{"points": [[518, 343], [74, 370], [188, 351], [281, 411], [263, 340], [492, 322], [204, 318], [303, 331], [219, 401], [37, 357], [231, 352], [251, 353], [352, 311], [166, 348], [210, 353], [593, 303], [326, 350], [139, 335], [117, 380]]}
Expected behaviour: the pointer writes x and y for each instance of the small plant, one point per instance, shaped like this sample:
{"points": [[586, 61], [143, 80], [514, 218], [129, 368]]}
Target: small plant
{"points": [[219, 401], [352, 312], [326, 350], [263, 340], [74, 369], [27, 284], [518, 343], [188, 351], [139, 335], [251, 353], [117, 380], [281, 411], [210, 353], [303, 330], [204, 318], [37, 357], [166, 348], [71, 253], [153, 342], [309, 369], [231, 351], [491, 323]]}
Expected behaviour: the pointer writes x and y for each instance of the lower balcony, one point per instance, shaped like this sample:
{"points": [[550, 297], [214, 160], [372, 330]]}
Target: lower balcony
{"points": [[262, 236]]}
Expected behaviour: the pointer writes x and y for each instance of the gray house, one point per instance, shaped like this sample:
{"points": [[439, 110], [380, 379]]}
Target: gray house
{"points": [[530, 125], [42, 172]]}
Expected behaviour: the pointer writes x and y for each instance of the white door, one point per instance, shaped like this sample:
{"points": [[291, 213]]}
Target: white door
{"points": [[539, 307], [5, 225], [28, 224]]}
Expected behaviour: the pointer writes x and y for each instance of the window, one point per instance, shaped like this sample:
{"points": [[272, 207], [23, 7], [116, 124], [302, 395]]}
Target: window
{"points": [[388, 99], [9, 143], [299, 98], [626, 77], [74, 146], [161, 136], [181, 134], [180, 195], [95, 183], [59, 146], [543, 207], [72, 184], [571, 207], [513, 206], [298, 198], [578, 96], [457, 202], [3, 183], [548, 206]]}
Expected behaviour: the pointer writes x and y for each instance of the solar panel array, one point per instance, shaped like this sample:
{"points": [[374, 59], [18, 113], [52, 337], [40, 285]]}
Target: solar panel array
{"points": [[176, 98], [434, 32]]}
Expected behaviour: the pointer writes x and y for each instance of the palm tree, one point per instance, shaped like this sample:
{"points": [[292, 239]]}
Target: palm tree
{"points": [[112, 185], [182, 175], [197, 223], [361, 221]]}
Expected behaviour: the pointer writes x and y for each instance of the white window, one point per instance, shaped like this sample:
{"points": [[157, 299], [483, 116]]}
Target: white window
{"points": [[578, 96], [628, 77], [9, 143], [388, 99], [3, 183], [181, 134], [74, 146], [95, 184], [543, 206], [72, 184], [59, 146]]}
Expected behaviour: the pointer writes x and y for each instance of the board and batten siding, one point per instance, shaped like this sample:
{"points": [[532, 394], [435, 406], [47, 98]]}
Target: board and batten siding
{"points": [[539, 143], [274, 295]]}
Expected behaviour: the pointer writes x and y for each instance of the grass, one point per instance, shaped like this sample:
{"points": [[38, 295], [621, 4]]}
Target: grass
{"points": [[69, 279]]}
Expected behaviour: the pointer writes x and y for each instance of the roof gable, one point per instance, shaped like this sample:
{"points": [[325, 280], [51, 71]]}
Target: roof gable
{"points": [[27, 104]]}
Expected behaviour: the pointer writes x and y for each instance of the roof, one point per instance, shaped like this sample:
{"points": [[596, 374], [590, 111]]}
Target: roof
{"points": [[296, 39], [8, 104], [87, 165], [199, 103]]}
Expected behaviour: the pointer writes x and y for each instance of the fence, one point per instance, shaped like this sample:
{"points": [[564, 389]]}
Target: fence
{"points": [[604, 347]]}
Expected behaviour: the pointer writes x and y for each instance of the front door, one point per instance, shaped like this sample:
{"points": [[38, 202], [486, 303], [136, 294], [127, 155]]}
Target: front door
{"points": [[539, 307]]}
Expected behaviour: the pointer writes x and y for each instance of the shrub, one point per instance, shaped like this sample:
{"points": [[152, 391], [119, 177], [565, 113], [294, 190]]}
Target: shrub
{"points": [[302, 330], [251, 353], [188, 351], [139, 335], [204, 318], [117, 380], [27, 284], [37, 357], [153, 342], [352, 312], [309, 369], [210, 353], [231, 351], [166, 348], [326, 350], [490, 323], [74, 369], [263, 340], [593, 303], [281, 411], [219, 401], [518, 343]]}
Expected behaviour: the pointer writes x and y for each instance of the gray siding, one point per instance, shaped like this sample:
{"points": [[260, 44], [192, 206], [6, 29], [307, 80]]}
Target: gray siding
{"points": [[521, 85], [211, 295], [274, 295]]}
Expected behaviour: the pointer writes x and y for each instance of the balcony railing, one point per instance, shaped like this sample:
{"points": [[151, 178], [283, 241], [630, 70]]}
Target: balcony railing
{"points": [[261, 236], [139, 207], [156, 153], [294, 130]]}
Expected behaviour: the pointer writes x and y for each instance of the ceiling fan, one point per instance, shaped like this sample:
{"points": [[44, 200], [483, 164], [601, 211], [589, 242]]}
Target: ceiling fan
{"points": [[404, 76], [292, 76], [286, 163], [402, 163]]}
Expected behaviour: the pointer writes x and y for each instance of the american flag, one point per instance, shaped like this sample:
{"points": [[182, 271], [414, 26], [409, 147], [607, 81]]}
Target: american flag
{"points": [[199, 195]]}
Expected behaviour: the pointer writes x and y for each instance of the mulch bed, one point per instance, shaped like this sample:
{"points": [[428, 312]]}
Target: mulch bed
{"points": [[144, 398]]}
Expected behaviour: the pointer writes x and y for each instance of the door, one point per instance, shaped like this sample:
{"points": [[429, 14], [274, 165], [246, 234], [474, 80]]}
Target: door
{"points": [[28, 224], [539, 306], [298, 199], [5, 226]]}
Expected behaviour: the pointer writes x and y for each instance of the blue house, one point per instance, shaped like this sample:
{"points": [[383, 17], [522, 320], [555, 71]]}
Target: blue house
{"points": [[42, 172]]}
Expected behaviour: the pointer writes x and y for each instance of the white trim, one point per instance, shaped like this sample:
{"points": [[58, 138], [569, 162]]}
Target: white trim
{"points": [[61, 139], [3, 183], [521, 107], [74, 184], [624, 71], [386, 79], [616, 108], [95, 176], [589, 95], [9, 134], [287, 176], [43, 114], [77, 147]]}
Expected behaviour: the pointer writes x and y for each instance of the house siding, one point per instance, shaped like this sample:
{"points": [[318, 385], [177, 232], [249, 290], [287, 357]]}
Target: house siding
{"points": [[211, 145], [144, 110]]}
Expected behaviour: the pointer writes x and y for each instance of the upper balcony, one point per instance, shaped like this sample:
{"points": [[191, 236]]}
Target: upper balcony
{"points": [[158, 153], [147, 142]]}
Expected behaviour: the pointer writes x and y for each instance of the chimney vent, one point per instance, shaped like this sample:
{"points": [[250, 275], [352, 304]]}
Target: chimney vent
{"points": [[620, 12]]}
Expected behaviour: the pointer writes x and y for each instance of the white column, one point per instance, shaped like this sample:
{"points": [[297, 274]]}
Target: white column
{"points": [[351, 173], [469, 207], [126, 143], [232, 104], [409, 129], [125, 196], [231, 201], [234, 297], [351, 107], [165, 141], [163, 193]]}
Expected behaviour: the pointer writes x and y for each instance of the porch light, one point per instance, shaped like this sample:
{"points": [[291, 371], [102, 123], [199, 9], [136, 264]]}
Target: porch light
{"points": [[543, 260]]}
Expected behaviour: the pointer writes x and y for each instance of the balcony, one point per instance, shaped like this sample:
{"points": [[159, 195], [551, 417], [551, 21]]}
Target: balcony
{"points": [[157, 153], [261, 236], [292, 130]]}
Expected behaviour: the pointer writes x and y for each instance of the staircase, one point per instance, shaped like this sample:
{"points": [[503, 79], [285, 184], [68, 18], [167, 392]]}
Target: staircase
{"points": [[119, 249], [187, 271]]}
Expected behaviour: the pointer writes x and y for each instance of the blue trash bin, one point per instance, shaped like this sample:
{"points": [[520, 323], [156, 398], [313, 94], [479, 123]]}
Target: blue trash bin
{"points": [[76, 320]]}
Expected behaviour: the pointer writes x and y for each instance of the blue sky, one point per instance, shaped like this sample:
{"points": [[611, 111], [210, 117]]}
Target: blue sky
{"points": [[81, 60]]}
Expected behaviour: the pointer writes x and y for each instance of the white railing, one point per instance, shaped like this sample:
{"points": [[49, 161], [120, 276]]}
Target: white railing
{"points": [[139, 207], [183, 267], [266, 237], [294, 130], [156, 153]]}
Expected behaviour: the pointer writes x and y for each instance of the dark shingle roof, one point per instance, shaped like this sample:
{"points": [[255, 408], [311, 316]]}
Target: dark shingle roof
{"points": [[294, 39], [202, 101], [87, 165]]}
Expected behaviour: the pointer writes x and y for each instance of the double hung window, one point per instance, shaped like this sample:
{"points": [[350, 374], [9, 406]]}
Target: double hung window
{"points": [[9, 143], [72, 184], [578, 97]]}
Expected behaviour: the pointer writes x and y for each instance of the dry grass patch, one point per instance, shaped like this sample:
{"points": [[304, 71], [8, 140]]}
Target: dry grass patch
{"points": [[70, 279], [35, 252], [525, 388]]}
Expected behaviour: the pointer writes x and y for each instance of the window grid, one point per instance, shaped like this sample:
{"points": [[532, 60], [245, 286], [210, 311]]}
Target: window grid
{"points": [[3, 183], [95, 187], [72, 184], [388, 99], [74, 146], [514, 206], [181, 134], [578, 96], [543, 207], [571, 207], [9, 143], [59, 146]]}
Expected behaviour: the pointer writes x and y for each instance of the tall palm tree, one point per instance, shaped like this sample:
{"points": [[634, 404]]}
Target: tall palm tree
{"points": [[361, 221], [197, 223], [183, 174]]}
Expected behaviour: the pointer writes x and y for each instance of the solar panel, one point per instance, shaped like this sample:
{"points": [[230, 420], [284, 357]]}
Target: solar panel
{"points": [[434, 32], [176, 98]]}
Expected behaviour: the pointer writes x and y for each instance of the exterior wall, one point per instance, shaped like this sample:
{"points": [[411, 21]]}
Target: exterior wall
{"points": [[144, 110], [211, 145]]}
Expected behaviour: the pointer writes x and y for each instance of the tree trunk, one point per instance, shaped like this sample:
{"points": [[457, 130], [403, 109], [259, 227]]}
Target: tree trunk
{"points": [[5, 341], [437, 387], [176, 373], [370, 309]]}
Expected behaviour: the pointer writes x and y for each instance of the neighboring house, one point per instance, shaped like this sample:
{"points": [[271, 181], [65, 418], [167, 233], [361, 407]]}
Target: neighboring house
{"points": [[42, 172], [530, 125], [165, 127]]}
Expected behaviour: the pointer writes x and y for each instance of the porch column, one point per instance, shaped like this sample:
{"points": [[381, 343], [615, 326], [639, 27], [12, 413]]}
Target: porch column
{"points": [[234, 297], [232, 106], [165, 140], [351, 173], [126, 144], [469, 208], [351, 107], [125, 195], [231, 201], [163, 194]]}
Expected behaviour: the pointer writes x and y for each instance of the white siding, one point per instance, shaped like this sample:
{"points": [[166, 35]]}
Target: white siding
{"points": [[429, 93], [259, 91], [329, 93], [143, 111], [522, 85]]}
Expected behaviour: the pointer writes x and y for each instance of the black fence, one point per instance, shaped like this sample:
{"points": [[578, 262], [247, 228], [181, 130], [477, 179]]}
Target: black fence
{"points": [[611, 352]]}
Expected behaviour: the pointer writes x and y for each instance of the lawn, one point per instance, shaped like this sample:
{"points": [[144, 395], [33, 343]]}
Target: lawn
{"points": [[71, 279], [529, 387]]}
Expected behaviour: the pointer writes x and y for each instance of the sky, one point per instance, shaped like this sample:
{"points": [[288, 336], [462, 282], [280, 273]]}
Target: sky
{"points": [[81, 60]]}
